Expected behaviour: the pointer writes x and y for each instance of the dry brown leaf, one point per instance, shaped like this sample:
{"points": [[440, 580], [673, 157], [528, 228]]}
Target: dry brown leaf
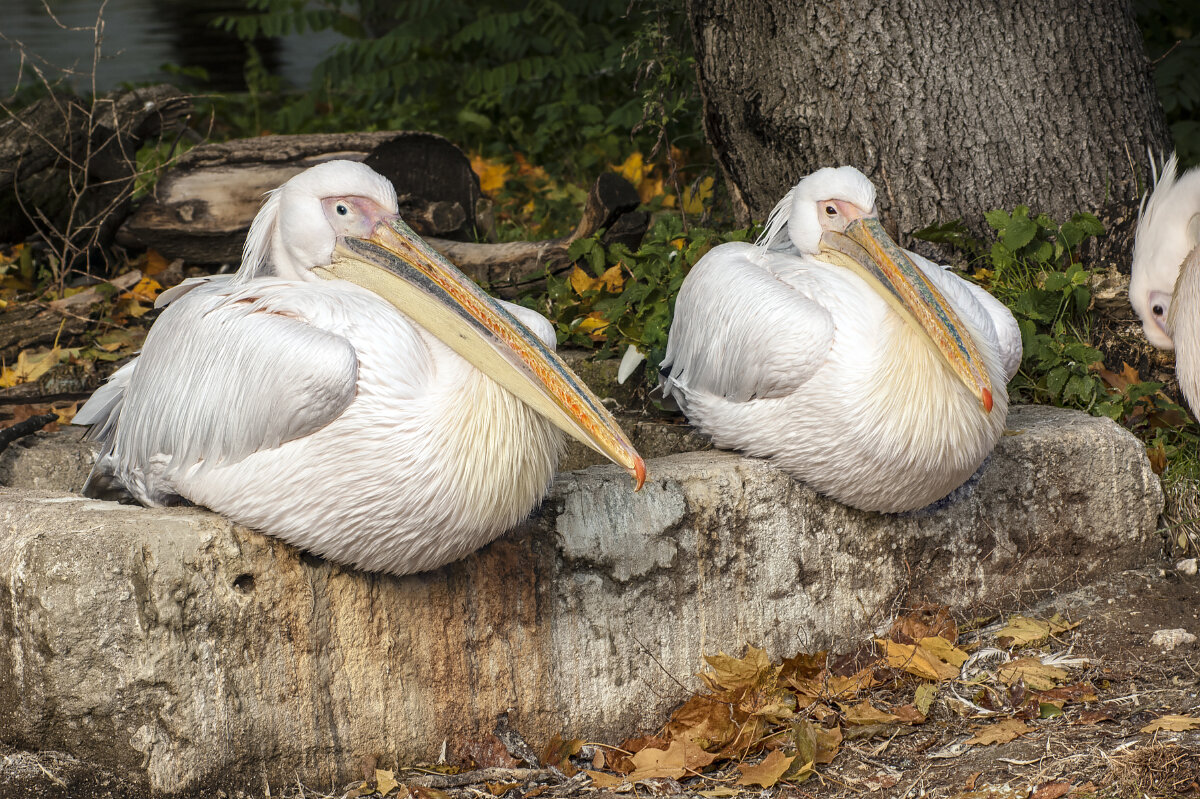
{"points": [[916, 660], [766, 773], [1023, 631], [605, 781], [925, 620], [1172, 723], [1093, 717], [704, 721], [1051, 790], [970, 783], [558, 753], [500, 788], [732, 674], [865, 713], [1076, 692], [909, 714], [1033, 672], [828, 743], [487, 751], [923, 700], [720, 792], [879, 782], [385, 782], [999, 733], [676, 761]]}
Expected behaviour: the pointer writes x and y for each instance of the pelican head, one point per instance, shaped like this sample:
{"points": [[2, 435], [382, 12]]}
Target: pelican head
{"points": [[341, 223], [831, 215], [1168, 229], [301, 220]]}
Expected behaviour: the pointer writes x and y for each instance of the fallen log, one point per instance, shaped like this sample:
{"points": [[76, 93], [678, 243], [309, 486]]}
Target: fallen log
{"points": [[202, 208]]}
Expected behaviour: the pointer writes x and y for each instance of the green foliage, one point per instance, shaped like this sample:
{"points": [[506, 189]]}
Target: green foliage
{"points": [[1171, 29], [636, 303], [1033, 267], [548, 77]]}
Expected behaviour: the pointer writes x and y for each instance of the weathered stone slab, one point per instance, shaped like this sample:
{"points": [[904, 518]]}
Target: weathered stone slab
{"points": [[173, 646]]}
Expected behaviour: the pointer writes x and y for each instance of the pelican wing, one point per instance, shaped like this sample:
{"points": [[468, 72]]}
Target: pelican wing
{"points": [[741, 332], [225, 372]]}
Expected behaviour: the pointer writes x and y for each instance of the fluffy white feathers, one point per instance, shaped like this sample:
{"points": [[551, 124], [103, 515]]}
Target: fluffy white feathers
{"points": [[1168, 229]]}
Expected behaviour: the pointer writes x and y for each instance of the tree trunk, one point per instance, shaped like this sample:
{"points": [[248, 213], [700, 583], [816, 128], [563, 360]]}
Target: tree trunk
{"points": [[951, 107]]}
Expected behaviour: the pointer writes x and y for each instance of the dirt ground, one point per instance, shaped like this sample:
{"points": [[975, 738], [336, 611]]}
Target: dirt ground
{"points": [[1093, 749]]}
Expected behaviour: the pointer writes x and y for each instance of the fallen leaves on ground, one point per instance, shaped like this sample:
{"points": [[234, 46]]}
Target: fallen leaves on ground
{"points": [[766, 773], [1024, 631], [999, 733], [1172, 724], [778, 722]]}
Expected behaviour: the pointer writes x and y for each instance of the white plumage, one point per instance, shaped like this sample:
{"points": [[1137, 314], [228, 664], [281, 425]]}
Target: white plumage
{"points": [[1168, 229], [1164, 287], [313, 410], [782, 355]]}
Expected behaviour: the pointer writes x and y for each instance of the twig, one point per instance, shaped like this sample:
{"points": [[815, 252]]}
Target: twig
{"points": [[494, 774], [21, 429]]}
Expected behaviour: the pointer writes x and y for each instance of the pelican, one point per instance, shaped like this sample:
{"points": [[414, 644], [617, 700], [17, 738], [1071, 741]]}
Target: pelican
{"points": [[871, 374], [1164, 287], [348, 390]]}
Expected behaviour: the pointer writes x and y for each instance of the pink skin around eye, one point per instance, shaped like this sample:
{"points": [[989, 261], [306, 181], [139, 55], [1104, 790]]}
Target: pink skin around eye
{"points": [[364, 215], [847, 212]]}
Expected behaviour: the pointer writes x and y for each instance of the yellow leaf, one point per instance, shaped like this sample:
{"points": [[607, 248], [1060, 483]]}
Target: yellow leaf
{"points": [[733, 673], [385, 781], [593, 324], [694, 199], [766, 773], [1036, 674], [917, 660], [633, 169], [650, 188], [581, 281], [30, 366], [999, 733], [944, 650], [146, 290], [1022, 630], [1172, 724], [155, 263], [924, 697], [492, 174], [720, 792], [613, 279]]}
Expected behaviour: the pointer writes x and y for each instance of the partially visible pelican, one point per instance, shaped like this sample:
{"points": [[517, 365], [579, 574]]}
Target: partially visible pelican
{"points": [[868, 372], [363, 401], [1164, 286]]}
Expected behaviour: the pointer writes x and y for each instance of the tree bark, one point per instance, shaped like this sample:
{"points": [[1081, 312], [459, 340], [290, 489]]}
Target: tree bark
{"points": [[951, 107]]}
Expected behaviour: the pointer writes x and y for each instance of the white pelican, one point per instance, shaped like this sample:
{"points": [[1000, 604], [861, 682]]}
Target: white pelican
{"points": [[1164, 287], [868, 372], [307, 407]]}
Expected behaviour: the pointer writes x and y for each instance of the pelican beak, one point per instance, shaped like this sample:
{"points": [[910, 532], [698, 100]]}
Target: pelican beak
{"points": [[399, 266], [866, 249]]}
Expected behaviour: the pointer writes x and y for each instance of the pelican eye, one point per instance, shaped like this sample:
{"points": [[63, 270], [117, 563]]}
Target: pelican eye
{"points": [[1158, 310], [342, 209], [831, 210]]}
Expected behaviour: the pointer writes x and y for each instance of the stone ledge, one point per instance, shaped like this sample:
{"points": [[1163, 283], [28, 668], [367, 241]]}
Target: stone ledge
{"points": [[176, 648]]}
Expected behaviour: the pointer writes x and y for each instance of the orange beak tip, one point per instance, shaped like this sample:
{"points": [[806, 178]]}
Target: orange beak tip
{"points": [[639, 473], [987, 401]]}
